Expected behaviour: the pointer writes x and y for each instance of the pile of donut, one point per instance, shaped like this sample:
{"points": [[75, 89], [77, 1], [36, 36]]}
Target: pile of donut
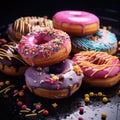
{"points": [[57, 55]]}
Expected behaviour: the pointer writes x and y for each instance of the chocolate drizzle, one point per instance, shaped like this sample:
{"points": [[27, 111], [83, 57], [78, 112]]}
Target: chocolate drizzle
{"points": [[10, 57]]}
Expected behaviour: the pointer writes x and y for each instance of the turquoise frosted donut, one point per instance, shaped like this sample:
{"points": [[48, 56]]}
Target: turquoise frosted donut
{"points": [[102, 40]]}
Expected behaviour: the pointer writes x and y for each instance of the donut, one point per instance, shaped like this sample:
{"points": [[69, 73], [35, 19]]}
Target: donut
{"points": [[45, 47], [56, 81], [24, 25], [74, 22], [11, 62], [103, 40], [100, 69]]}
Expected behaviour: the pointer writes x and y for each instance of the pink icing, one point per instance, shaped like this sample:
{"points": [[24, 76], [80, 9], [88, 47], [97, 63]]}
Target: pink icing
{"points": [[43, 43], [75, 17], [93, 73]]}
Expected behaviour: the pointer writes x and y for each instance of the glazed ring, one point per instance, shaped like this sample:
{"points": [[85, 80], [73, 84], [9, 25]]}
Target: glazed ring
{"points": [[11, 62], [100, 68], [77, 23], [102, 40], [57, 81], [45, 47], [24, 25]]}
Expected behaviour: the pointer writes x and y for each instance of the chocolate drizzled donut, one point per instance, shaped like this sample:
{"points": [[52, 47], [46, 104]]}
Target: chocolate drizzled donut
{"points": [[24, 25], [10, 61]]}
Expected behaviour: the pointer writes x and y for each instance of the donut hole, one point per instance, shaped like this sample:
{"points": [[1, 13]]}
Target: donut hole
{"points": [[42, 38], [55, 69], [98, 61]]}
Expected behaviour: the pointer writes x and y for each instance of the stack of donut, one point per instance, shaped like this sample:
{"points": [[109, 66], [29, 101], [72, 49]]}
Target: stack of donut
{"points": [[84, 29], [40, 53], [51, 75], [92, 47]]}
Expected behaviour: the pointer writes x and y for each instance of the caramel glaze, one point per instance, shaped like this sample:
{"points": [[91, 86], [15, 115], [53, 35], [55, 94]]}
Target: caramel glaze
{"points": [[10, 57]]}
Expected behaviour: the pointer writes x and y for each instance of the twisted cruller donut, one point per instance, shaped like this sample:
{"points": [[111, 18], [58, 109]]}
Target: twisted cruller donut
{"points": [[24, 25], [99, 68], [45, 47], [56, 81], [11, 62]]}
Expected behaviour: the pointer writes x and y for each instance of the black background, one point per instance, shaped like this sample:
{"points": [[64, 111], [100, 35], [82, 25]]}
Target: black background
{"points": [[11, 10]]}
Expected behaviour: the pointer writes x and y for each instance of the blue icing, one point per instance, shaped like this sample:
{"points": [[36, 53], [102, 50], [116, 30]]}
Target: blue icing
{"points": [[105, 41]]}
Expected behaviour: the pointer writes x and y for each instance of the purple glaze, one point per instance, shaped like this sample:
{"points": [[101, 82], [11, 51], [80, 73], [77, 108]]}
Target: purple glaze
{"points": [[35, 80]]}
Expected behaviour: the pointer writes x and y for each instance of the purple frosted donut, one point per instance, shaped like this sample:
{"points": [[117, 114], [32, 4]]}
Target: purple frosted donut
{"points": [[56, 81]]}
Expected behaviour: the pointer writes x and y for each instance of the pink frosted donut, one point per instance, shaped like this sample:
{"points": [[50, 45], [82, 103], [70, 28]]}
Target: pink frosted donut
{"points": [[99, 68], [79, 23], [45, 47]]}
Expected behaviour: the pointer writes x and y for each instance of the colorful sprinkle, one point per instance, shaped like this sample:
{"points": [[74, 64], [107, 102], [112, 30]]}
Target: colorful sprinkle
{"points": [[7, 82], [45, 112], [54, 105], [81, 110], [100, 94], [91, 94], [103, 115], [105, 99], [38, 107], [19, 103], [1, 84], [87, 99], [24, 106]]}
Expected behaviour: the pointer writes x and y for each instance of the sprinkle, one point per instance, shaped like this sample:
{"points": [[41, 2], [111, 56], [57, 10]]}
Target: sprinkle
{"points": [[38, 107], [81, 110], [1, 84], [105, 99], [7, 82], [24, 86], [24, 106], [19, 103], [119, 43], [45, 112], [30, 115], [54, 105], [41, 81], [86, 95], [103, 115], [70, 85], [91, 94], [100, 94], [80, 118], [104, 28], [21, 93], [118, 48], [6, 88], [35, 81], [55, 78], [33, 111], [15, 91], [87, 99], [41, 111], [24, 110]]}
